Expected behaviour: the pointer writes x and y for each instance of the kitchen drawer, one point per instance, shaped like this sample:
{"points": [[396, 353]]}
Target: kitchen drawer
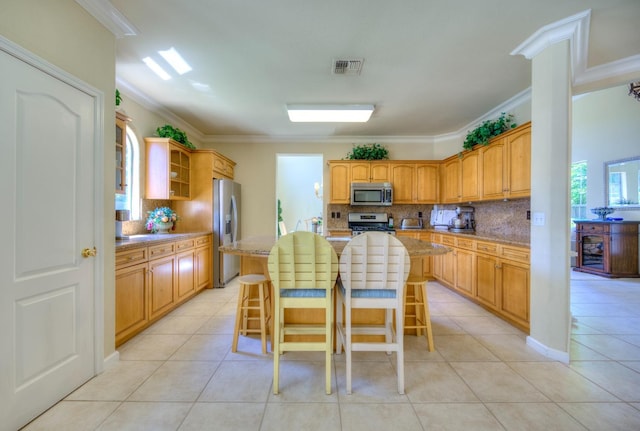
{"points": [[436, 237], [131, 257], [487, 247], [203, 240], [465, 243], [593, 228], [449, 240], [515, 253], [160, 250], [185, 244]]}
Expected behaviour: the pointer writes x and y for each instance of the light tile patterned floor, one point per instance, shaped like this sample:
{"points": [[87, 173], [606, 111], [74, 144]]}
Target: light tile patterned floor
{"points": [[180, 374]]}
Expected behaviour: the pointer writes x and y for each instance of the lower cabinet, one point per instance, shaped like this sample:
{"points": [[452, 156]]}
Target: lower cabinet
{"points": [[493, 275], [152, 280]]}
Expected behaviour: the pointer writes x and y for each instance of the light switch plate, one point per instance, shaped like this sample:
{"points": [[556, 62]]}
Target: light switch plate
{"points": [[538, 219]]}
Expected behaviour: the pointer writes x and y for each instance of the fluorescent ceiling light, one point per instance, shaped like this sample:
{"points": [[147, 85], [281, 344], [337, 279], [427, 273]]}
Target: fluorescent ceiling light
{"points": [[156, 68], [176, 61], [329, 113]]}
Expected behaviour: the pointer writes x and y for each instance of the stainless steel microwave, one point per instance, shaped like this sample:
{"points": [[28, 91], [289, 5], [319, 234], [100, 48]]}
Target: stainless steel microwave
{"points": [[372, 194]]}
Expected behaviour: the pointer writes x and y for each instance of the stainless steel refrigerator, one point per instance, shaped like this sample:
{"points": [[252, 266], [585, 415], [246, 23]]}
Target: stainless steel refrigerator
{"points": [[226, 229]]}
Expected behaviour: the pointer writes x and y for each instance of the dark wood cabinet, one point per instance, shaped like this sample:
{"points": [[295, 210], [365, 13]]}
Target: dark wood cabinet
{"points": [[607, 248]]}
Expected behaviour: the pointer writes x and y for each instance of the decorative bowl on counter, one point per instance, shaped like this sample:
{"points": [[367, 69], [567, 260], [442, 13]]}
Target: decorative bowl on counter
{"points": [[602, 212]]}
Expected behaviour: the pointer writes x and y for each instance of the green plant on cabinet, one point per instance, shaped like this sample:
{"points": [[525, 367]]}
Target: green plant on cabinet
{"points": [[487, 130], [168, 131], [368, 152]]}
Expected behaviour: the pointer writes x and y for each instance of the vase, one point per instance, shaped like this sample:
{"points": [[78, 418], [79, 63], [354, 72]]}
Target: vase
{"points": [[164, 227]]}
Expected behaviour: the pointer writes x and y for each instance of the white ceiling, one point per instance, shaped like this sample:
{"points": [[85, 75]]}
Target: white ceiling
{"points": [[431, 67]]}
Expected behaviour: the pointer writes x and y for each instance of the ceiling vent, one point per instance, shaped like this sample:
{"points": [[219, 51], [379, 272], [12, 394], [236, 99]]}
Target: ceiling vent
{"points": [[347, 66]]}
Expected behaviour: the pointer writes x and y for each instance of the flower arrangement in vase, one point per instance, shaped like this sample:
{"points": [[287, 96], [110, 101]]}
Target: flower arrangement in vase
{"points": [[160, 220]]}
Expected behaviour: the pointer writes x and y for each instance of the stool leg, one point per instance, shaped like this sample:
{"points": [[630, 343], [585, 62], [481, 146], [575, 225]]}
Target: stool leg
{"points": [[263, 322], [239, 310], [427, 316], [418, 299]]}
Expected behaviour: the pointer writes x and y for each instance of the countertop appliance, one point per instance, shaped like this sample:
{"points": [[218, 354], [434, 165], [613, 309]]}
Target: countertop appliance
{"points": [[366, 222], [464, 221], [411, 223], [441, 218], [226, 229], [372, 194]]}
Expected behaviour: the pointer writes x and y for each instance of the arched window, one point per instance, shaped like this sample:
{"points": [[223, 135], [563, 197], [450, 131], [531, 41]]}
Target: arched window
{"points": [[130, 200]]}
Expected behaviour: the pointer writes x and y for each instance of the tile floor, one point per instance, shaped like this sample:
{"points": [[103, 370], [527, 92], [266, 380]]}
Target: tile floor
{"points": [[181, 375]]}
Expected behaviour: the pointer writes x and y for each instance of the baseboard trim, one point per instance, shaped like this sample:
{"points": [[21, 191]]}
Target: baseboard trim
{"points": [[554, 354], [111, 359]]}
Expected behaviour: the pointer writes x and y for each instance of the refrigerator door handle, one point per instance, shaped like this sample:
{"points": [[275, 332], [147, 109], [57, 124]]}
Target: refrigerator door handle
{"points": [[234, 209]]}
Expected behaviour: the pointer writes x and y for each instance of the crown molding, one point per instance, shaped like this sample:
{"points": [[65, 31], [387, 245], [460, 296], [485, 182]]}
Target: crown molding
{"points": [[110, 17], [575, 29]]}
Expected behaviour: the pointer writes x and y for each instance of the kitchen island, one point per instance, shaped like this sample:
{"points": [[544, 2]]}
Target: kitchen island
{"points": [[254, 253]]}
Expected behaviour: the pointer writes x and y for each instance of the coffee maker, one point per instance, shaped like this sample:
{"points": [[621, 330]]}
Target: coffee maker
{"points": [[464, 221]]}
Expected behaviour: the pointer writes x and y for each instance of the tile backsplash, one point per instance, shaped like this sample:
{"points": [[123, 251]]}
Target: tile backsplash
{"points": [[493, 218]]}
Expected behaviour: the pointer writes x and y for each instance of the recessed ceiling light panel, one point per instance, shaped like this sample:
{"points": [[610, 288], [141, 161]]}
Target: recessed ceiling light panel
{"points": [[329, 113], [150, 62], [176, 61]]}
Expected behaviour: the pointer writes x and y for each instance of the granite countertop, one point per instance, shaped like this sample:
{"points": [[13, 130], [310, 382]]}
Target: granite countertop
{"points": [[260, 246], [136, 241], [516, 240]]}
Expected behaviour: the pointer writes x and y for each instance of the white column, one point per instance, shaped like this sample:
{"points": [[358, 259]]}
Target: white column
{"points": [[550, 205]]}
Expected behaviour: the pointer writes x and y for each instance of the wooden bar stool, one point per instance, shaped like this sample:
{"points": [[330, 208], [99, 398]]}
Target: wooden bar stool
{"points": [[259, 302], [415, 294]]}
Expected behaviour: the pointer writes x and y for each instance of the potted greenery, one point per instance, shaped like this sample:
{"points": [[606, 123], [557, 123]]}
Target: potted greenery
{"points": [[368, 152], [118, 97], [168, 131], [487, 130]]}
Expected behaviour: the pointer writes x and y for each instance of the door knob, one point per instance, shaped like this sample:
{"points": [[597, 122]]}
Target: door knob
{"points": [[89, 252]]}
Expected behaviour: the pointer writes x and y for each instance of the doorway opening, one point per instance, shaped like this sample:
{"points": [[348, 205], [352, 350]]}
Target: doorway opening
{"points": [[299, 192]]}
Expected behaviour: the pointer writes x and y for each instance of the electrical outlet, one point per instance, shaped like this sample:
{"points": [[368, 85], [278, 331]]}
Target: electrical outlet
{"points": [[528, 214]]}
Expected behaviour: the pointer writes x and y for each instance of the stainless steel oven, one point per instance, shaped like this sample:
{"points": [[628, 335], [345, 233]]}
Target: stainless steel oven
{"points": [[366, 222]]}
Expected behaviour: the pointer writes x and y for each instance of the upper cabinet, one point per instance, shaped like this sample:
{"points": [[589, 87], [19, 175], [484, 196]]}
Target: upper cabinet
{"points": [[414, 182], [499, 170], [506, 165], [121, 152], [168, 169], [369, 172]]}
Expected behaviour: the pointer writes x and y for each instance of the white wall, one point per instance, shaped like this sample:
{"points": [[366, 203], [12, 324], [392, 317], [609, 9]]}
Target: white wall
{"points": [[606, 126]]}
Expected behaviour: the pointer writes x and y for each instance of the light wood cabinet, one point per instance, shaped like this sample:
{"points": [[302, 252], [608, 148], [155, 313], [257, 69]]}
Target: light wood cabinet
{"points": [[506, 165], [340, 183], [469, 177], [132, 314], [222, 166], [153, 280], [168, 170], [414, 182], [493, 275], [369, 172], [450, 184], [121, 152]]}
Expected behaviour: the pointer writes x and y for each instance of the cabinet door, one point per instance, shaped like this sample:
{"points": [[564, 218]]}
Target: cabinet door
{"points": [[161, 282], [130, 302], [464, 271], [451, 180], [448, 262], [203, 268], [121, 153], [519, 163], [379, 172], [427, 183], [360, 172], [487, 280], [168, 170], [493, 170], [340, 176], [185, 275], [515, 291], [403, 181], [469, 174]]}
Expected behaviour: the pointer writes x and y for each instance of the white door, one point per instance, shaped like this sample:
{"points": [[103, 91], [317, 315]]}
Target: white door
{"points": [[46, 285]]}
